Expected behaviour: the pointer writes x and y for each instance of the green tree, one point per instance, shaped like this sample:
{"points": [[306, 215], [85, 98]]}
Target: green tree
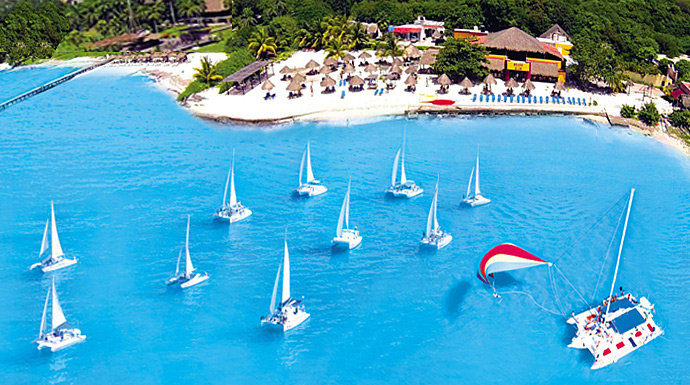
{"points": [[628, 111], [190, 8], [389, 47], [207, 73], [459, 57], [336, 48], [649, 114], [680, 119], [262, 44]]}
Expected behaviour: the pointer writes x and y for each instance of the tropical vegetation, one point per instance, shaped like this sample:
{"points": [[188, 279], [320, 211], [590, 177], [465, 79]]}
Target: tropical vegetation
{"points": [[459, 57]]}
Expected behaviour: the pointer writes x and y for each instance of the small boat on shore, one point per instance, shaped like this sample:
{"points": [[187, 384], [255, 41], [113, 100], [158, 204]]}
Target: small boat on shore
{"points": [[311, 187], [434, 236], [188, 277], [61, 333], [231, 210], [56, 260], [626, 325], [344, 236], [289, 313], [475, 199], [406, 188]]}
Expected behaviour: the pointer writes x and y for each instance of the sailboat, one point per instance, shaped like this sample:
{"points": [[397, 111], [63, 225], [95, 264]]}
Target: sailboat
{"points": [[61, 334], [311, 187], [344, 236], [188, 277], [476, 198], [56, 259], [434, 236], [289, 312], [231, 210], [625, 325], [406, 188]]}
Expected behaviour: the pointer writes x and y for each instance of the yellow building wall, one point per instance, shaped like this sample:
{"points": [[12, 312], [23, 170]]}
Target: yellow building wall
{"points": [[564, 48]]}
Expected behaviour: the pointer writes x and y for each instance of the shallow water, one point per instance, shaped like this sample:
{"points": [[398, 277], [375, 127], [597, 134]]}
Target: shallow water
{"points": [[125, 166]]}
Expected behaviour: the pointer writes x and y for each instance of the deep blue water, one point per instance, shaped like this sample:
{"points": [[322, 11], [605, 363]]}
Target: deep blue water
{"points": [[125, 166]]}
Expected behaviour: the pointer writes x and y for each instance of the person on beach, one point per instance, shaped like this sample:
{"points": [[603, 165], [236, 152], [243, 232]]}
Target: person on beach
{"points": [[311, 88]]}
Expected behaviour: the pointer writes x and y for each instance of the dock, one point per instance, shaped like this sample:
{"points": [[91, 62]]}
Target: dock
{"points": [[52, 84]]}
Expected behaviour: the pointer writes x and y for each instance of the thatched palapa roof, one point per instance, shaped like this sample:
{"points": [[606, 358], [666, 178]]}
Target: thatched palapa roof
{"points": [[489, 79], [356, 81], [364, 55], [325, 70], [267, 86], [312, 64], [348, 57], [329, 61], [528, 85], [370, 68], [411, 80], [466, 82], [349, 69], [294, 85], [559, 86], [511, 83], [327, 82], [514, 39], [411, 69], [285, 70], [444, 80]]}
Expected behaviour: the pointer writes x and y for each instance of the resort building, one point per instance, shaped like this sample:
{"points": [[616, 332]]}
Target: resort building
{"points": [[216, 11], [514, 53], [420, 30], [557, 37]]}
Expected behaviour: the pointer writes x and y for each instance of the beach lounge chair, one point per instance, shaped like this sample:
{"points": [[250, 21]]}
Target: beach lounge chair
{"points": [[511, 98], [546, 100], [493, 97], [481, 97], [541, 100], [342, 95], [381, 91], [376, 92], [474, 97]]}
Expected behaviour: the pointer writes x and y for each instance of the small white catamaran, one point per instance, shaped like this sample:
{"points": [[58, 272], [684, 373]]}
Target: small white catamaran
{"points": [[344, 235], [623, 327], [289, 312], [56, 259], [312, 187], [434, 236], [188, 277], [406, 188], [61, 334], [231, 210], [475, 199]]}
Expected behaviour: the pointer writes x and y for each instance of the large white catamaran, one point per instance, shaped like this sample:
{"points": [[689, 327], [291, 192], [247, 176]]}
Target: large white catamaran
{"points": [[231, 210], [188, 277], [61, 334], [434, 236], [56, 259], [625, 325], [312, 186], [406, 188], [289, 312], [344, 235], [474, 198]]}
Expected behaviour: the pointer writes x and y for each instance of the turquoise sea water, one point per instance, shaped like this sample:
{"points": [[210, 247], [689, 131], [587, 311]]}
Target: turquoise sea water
{"points": [[125, 166]]}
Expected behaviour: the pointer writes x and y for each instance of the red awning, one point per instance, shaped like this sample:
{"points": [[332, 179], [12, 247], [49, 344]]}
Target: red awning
{"points": [[407, 29], [676, 93]]}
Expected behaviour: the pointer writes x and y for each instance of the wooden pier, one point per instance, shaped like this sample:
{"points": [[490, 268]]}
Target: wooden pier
{"points": [[51, 84]]}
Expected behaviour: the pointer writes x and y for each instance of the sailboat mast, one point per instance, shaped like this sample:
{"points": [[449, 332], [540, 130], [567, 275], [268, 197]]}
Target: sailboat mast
{"points": [[189, 268], [476, 179], [233, 195], [286, 273], [347, 205], [620, 250], [403, 176]]}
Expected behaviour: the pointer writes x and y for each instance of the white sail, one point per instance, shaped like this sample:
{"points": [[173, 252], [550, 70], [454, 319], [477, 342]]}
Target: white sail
{"points": [[43, 318], [44, 243], [275, 291], [469, 184], [403, 176], [620, 249], [225, 192], [286, 274], [177, 267], [233, 195], [435, 203], [310, 173], [301, 166], [55, 248], [395, 167], [189, 268], [344, 218], [431, 218], [476, 179], [58, 317]]}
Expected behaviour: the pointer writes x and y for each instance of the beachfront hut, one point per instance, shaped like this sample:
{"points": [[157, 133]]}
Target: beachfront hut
{"points": [[348, 58], [312, 64], [370, 68], [466, 83], [250, 76], [411, 69], [329, 61], [267, 86]]}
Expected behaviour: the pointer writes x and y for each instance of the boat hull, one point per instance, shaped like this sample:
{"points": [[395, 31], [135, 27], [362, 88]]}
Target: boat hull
{"points": [[476, 201], [437, 242], [310, 190], [292, 321], [407, 193], [347, 242], [197, 279], [55, 343], [232, 216], [59, 265]]}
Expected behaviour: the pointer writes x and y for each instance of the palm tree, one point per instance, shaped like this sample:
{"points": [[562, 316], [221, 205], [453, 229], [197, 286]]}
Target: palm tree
{"points": [[276, 8], [247, 18], [262, 44], [357, 36], [336, 48], [333, 27], [207, 73], [190, 8], [389, 47]]}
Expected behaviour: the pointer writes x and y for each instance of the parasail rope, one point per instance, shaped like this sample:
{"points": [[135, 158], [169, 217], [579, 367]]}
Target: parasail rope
{"points": [[555, 292], [606, 257], [571, 285], [535, 302]]}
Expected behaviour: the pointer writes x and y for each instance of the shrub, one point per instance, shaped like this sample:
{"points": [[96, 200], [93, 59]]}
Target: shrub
{"points": [[680, 119], [649, 114], [628, 111]]}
